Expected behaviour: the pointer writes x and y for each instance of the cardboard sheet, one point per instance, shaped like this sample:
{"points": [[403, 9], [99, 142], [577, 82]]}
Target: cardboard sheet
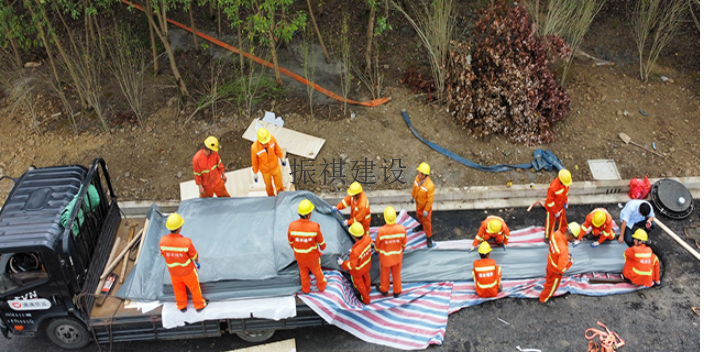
{"points": [[297, 143]]}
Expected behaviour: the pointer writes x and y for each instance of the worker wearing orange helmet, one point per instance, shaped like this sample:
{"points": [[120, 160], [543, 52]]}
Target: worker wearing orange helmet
{"points": [[599, 222], [357, 201], [423, 195], [559, 259], [360, 262], [307, 241], [209, 171], [486, 274], [182, 260], [390, 243], [556, 203], [642, 266], [492, 227], [265, 158]]}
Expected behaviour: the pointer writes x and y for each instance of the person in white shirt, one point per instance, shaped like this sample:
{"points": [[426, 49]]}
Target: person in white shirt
{"points": [[637, 214]]}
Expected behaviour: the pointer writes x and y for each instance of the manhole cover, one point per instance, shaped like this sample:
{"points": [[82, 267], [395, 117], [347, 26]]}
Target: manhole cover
{"points": [[604, 169], [672, 199]]}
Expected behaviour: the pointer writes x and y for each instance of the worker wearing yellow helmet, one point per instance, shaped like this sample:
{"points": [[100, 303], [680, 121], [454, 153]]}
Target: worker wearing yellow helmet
{"points": [[266, 155], [559, 260], [600, 224], [360, 262], [423, 194], [390, 243], [307, 242], [208, 170], [357, 201], [556, 203], [493, 227], [486, 274], [642, 266]]}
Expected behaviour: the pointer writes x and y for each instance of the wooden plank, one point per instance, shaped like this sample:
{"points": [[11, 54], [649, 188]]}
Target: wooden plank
{"points": [[297, 143], [281, 346]]}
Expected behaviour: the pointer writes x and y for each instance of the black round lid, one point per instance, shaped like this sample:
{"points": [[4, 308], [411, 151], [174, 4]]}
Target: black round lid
{"points": [[669, 193]]}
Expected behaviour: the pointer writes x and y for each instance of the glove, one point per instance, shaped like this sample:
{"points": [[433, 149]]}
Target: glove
{"points": [[256, 179], [197, 265], [425, 213], [339, 261], [471, 249], [333, 209], [575, 243], [413, 201], [570, 256], [343, 222], [504, 247], [564, 206], [558, 214], [648, 224], [283, 162]]}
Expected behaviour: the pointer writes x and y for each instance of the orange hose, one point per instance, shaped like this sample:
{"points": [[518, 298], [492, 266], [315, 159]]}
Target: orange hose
{"points": [[372, 103]]}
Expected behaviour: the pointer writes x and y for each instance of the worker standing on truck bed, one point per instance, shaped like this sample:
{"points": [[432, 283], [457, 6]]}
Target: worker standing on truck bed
{"points": [[357, 201], [182, 260], [600, 224], [209, 171], [556, 203], [360, 262], [559, 259], [492, 227], [265, 158], [636, 214], [642, 266], [390, 243], [304, 237], [423, 194], [486, 274]]}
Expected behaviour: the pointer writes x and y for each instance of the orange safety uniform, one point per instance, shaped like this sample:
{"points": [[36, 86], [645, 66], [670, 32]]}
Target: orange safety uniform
{"points": [[359, 210], [558, 263], [265, 158], [499, 237], [603, 232], [179, 253], [487, 277], [304, 237], [554, 204], [390, 243], [208, 172], [359, 264], [642, 266], [424, 195]]}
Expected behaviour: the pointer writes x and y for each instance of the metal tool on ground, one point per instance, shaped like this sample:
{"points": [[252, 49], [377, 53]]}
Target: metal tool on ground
{"points": [[626, 139], [527, 349], [107, 288], [124, 263], [677, 238], [105, 272], [536, 203], [610, 341]]}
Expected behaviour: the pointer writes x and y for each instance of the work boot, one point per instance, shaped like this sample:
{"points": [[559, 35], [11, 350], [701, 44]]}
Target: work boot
{"points": [[396, 295], [429, 241], [417, 228], [378, 288], [183, 310], [549, 304], [547, 240], [206, 304]]}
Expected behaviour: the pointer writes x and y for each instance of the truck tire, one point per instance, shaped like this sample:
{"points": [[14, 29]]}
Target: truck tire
{"points": [[68, 333], [255, 336]]}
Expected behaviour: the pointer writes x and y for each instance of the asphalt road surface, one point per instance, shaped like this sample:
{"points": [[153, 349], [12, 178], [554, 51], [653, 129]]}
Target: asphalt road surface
{"points": [[656, 319]]}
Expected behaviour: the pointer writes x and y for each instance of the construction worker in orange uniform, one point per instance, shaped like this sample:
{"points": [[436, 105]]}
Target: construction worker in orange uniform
{"points": [[209, 171], [423, 195], [359, 207], [360, 262], [486, 274], [390, 243], [182, 260], [307, 241], [556, 203], [265, 158], [559, 259], [492, 227], [599, 222], [642, 266]]}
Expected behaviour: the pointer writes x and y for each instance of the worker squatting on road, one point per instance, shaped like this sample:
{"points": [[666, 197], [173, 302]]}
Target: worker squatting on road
{"points": [[360, 262], [307, 241], [486, 274], [182, 260], [357, 201], [265, 158], [642, 266], [209, 171], [559, 259], [492, 227], [556, 203], [423, 194], [600, 224], [390, 243], [636, 214]]}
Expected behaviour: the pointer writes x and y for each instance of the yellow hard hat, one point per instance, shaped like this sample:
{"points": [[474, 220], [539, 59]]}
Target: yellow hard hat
{"points": [[174, 222], [356, 229], [640, 234], [263, 136], [565, 177], [212, 143], [424, 168], [390, 215], [574, 229], [484, 248], [494, 226], [305, 207], [355, 189], [599, 218]]}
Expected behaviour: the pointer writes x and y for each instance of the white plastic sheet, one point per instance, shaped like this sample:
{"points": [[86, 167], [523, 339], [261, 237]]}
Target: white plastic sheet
{"points": [[275, 308]]}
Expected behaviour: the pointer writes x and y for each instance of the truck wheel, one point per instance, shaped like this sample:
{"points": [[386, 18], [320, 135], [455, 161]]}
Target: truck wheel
{"points": [[255, 336], [68, 333]]}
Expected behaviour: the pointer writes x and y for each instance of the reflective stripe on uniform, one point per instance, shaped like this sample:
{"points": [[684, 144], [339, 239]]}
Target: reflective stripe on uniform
{"points": [[554, 244], [643, 255], [585, 229], [368, 217], [396, 235], [178, 264], [303, 234], [322, 243], [550, 204], [365, 250], [206, 171], [305, 250], [390, 253], [554, 287], [485, 268], [174, 249], [363, 264], [486, 286], [560, 191], [648, 273], [344, 203], [423, 188], [552, 262], [261, 151]]}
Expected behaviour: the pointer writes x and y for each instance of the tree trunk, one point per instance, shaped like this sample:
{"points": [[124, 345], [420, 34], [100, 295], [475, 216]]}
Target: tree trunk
{"points": [[15, 51], [162, 32], [193, 27], [210, 6], [151, 38], [272, 47], [219, 23], [317, 31], [49, 54], [239, 43], [100, 37], [370, 39]]}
